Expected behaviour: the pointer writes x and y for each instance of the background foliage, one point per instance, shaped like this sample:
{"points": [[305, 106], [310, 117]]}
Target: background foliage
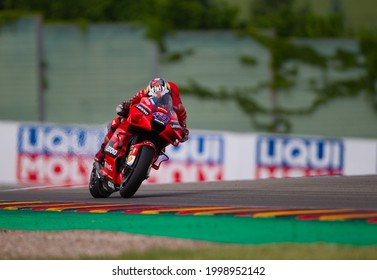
{"points": [[159, 16], [274, 24]]}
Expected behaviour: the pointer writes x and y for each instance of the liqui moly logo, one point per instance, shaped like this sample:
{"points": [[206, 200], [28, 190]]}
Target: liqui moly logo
{"points": [[200, 148], [56, 154], [279, 156], [54, 140]]}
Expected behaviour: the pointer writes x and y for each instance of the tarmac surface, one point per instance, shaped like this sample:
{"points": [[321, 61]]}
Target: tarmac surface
{"points": [[356, 192]]}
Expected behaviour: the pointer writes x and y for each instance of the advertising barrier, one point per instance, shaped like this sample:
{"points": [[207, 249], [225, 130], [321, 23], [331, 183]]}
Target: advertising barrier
{"points": [[8, 152], [199, 159], [52, 154], [282, 156]]}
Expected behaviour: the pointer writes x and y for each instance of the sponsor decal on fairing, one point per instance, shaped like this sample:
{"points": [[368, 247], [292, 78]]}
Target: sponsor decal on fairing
{"points": [[109, 149], [142, 109], [175, 126]]}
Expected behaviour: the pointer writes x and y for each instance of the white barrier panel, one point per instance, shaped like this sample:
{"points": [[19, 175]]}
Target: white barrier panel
{"points": [[361, 157], [33, 153], [8, 152], [240, 154]]}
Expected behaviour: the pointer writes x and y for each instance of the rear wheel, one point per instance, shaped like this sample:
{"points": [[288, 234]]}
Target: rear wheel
{"points": [[138, 174], [95, 186]]}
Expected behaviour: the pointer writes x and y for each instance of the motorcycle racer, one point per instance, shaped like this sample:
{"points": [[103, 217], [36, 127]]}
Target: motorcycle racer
{"points": [[156, 87]]}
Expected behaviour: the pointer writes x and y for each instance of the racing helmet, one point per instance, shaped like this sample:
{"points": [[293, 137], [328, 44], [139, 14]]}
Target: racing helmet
{"points": [[157, 87]]}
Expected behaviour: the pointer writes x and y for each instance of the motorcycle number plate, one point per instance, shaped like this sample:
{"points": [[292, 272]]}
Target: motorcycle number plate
{"points": [[161, 117]]}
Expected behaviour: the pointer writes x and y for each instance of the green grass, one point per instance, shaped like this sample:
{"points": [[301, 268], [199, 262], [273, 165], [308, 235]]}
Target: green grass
{"points": [[233, 237]]}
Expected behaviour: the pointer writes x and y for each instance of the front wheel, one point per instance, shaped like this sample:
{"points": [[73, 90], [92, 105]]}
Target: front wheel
{"points": [[139, 173]]}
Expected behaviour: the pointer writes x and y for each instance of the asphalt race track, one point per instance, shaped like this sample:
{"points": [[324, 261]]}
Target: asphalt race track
{"points": [[352, 192]]}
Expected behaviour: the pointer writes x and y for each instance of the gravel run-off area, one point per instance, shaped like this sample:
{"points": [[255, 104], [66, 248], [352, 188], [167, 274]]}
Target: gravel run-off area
{"points": [[18, 244]]}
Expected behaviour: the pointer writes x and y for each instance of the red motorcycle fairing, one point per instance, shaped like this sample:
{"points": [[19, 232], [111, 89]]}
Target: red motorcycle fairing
{"points": [[154, 125], [114, 152], [140, 116], [148, 112]]}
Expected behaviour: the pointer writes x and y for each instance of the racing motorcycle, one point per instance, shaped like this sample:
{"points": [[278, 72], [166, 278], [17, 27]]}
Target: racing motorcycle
{"points": [[154, 126]]}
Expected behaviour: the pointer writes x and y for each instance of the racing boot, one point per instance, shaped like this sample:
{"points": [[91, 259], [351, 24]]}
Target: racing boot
{"points": [[100, 155]]}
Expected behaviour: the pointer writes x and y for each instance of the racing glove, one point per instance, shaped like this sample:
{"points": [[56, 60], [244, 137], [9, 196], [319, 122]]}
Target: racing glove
{"points": [[185, 135], [123, 109]]}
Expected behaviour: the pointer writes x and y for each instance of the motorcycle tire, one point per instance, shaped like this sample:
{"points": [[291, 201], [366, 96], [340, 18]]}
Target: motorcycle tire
{"points": [[95, 186], [137, 175]]}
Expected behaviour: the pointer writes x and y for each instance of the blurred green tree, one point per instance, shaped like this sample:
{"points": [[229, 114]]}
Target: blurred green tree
{"points": [[159, 16], [275, 25]]}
